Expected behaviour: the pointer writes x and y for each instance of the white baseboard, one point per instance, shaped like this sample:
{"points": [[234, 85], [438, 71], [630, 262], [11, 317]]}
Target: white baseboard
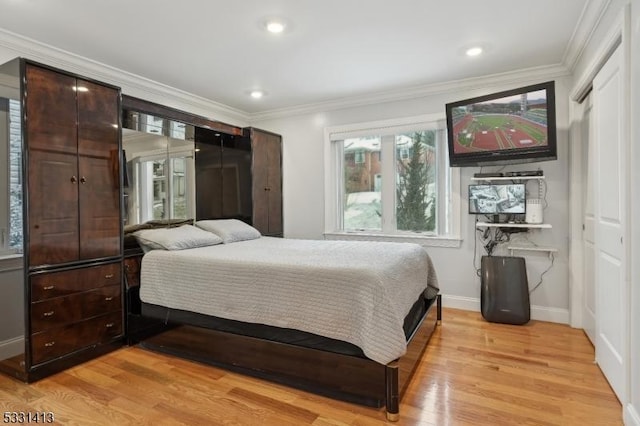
{"points": [[458, 302], [631, 416], [539, 313], [12, 347]]}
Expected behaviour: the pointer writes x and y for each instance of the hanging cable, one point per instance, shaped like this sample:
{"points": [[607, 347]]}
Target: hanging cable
{"points": [[542, 274], [542, 192], [475, 247]]}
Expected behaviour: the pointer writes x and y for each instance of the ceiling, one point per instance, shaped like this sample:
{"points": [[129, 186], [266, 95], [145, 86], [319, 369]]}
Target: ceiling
{"points": [[330, 50]]}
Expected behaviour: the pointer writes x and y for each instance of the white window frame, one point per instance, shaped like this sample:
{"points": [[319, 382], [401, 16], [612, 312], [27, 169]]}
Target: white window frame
{"points": [[143, 183], [7, 254], [448, 177]]}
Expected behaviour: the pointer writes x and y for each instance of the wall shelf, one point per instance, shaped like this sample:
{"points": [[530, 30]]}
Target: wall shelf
{"points": [[549, 250], [512, 225], [507, 178]]}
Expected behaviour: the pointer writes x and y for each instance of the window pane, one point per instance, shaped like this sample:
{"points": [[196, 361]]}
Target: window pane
{"points": [[154, 125], [179, 192], [177, 130], [362, 184], [415, 181], [15, 177], [159, 190]]}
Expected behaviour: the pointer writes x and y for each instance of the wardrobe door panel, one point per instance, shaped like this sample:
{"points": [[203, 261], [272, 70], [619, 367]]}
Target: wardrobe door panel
{"points": [[274, 176], [267, 182], [51, 111], [260, 175], [51, 140], [209, 183], [99, 173], [53, 208]]}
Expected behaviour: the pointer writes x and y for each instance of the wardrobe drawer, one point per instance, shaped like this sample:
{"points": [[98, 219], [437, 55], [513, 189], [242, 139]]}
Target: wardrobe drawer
{"points": [[58, 311], [55, 284], [64, 340]]}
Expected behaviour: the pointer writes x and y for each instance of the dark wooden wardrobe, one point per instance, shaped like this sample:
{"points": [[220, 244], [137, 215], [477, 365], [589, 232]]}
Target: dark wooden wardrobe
{"points": [[238, 171], [266, 186], [73, 299], [240, 177]]}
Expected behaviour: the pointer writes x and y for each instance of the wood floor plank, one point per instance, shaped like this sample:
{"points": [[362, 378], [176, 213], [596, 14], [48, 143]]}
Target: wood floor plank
{"points": [[472, 373]]}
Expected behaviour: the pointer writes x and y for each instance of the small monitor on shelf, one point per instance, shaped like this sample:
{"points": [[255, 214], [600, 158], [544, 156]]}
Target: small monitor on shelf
{"points": [[496, 199]]}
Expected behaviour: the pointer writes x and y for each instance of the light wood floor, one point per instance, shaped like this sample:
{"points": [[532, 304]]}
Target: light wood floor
{"points": [[472, 373]]}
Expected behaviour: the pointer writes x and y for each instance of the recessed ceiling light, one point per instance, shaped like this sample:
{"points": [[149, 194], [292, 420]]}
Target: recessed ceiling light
{"points": [[474, 51], [275, 27], [256, 94]]}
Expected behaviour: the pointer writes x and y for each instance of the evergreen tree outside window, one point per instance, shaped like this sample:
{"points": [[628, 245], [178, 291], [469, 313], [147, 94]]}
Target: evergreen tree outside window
{"points": [[415, 189]]}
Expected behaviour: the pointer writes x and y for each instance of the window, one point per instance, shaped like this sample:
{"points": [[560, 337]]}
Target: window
{"points": [[11, 234], [402, 188], [163, 186]]}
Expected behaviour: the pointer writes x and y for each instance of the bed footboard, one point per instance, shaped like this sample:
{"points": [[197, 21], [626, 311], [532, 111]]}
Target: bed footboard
{"points": [[344, 377], [398, 373]]}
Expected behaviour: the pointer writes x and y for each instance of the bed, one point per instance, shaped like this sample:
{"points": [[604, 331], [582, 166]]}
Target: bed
{"points": [[345, 319]]}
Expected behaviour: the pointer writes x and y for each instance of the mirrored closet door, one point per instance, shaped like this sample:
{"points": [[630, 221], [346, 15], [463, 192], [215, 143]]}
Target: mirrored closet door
{"points": [[159, 183]]}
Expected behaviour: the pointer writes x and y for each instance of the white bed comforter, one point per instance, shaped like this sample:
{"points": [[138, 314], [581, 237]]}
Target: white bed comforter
{"points": [[354, 291]]}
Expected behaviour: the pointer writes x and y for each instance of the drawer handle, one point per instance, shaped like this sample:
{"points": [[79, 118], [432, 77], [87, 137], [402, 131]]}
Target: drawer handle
{"points": [[108, 298], [48, 314], [108, 276], [109, 325], [49, 344], [49, 287]]}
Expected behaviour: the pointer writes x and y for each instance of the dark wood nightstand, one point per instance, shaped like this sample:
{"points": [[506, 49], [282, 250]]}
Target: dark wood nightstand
{"points": [[138, 327]]}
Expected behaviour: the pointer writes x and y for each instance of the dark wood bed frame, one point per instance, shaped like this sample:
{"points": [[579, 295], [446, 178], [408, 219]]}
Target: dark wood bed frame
{"points": [[345, 377]]}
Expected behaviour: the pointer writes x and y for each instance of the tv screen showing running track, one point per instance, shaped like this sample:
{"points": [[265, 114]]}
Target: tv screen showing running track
{"points": [[510, 127]]}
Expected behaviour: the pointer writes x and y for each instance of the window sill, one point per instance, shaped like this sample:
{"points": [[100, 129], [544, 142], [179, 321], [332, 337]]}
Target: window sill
{"points": [[11, 262], [426, 241]]}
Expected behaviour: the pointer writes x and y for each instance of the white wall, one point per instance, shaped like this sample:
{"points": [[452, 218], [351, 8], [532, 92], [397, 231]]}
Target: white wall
{"points": [[303, 168], [12, 309]]}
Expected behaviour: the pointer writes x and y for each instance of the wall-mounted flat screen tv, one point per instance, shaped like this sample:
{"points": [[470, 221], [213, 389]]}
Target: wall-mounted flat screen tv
{"points": [[510, 127], [504, 198]]}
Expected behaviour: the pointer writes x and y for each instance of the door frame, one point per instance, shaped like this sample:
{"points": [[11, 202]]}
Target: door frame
{"points": [[617, 37]]}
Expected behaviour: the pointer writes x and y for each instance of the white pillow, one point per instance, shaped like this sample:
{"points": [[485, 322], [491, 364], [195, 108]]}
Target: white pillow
{"points": [[230, 230], [182, 237]]}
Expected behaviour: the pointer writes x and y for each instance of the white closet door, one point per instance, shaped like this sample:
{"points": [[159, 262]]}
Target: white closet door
{"points": [[588, 222], [609, 222]]}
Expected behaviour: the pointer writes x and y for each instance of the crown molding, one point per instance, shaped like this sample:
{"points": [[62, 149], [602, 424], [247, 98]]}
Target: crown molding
{"points": [[501, 79], [130, 83], [591, 16], [145, 88]]}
